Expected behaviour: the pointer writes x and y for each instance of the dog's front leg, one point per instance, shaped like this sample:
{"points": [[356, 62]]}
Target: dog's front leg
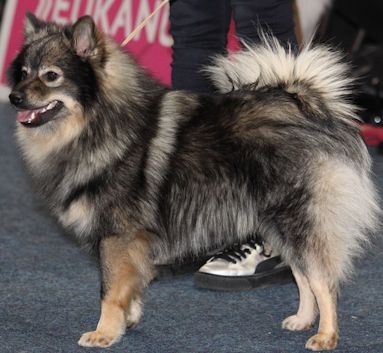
{"points": [[125, 269]]}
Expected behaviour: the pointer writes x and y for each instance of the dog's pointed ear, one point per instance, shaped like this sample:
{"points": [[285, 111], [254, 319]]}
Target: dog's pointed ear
{"points": [[84, 37], [32, 25]]}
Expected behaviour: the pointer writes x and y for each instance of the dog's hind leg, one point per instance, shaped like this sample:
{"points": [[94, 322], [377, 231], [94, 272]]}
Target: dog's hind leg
{"points": [[307, 312], [326, 297], [126, 269], [344, 212]]}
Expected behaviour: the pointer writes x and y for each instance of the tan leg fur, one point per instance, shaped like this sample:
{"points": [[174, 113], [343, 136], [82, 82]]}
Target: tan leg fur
{"points": [[307, 312], [126, 270], [327, 336]]}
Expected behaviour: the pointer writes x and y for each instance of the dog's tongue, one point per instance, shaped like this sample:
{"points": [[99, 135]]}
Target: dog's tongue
{"points": [[26, 115]]}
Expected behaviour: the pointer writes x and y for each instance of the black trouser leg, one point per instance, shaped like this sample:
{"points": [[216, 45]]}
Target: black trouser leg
{"points": [[273, 16], [199, 29]]}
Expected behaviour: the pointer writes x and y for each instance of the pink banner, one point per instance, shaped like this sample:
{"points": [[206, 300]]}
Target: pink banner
{"points": [[151, 47]]}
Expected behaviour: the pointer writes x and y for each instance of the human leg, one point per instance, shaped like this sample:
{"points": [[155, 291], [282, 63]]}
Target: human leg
{"points": [[274, 16], [199, 30]]}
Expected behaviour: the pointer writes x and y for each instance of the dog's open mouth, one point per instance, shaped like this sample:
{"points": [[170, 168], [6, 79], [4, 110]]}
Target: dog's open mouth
{"points": [[39, 116]]}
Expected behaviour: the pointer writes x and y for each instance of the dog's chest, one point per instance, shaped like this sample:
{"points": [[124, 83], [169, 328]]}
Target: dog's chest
{"points": [[79, 216]]}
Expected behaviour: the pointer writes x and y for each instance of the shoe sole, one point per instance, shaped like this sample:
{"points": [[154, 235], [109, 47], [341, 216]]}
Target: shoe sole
{"points": [[281, 275]]}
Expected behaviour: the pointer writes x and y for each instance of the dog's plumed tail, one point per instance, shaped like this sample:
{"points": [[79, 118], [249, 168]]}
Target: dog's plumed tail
{"points": [[317, 76]]}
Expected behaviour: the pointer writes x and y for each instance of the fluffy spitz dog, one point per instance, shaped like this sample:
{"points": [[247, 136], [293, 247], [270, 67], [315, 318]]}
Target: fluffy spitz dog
{"points": [[145, 174]]}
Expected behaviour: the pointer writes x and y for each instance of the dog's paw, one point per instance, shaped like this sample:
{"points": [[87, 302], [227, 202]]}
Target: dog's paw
{"points": [[135, 313], [322, 342], [131, 324], [296, 323], [97, 339]]}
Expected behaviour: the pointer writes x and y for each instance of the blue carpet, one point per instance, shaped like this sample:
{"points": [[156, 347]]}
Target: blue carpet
{"points": [[49, 291]]}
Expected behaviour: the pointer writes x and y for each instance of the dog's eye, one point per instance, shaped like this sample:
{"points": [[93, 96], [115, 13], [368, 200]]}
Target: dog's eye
{"points": [[24, 74], [51, 76]]}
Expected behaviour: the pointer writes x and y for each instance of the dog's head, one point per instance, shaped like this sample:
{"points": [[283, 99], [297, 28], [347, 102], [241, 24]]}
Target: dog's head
{"points": [[54, 74]]}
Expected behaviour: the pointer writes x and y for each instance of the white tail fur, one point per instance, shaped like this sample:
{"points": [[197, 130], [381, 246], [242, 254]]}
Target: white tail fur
{"points": [[318, 68]]}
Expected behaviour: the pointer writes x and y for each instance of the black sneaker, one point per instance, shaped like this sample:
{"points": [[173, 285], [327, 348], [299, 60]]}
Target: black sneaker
{"points": [[242, 267]]}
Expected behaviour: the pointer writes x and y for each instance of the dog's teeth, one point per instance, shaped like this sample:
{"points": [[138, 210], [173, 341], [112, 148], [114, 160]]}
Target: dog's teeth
{"points": [[51, 105], [33, 116]]}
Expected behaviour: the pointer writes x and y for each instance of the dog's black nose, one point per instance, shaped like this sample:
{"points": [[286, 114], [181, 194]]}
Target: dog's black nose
{"points": [[16, 98]]}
